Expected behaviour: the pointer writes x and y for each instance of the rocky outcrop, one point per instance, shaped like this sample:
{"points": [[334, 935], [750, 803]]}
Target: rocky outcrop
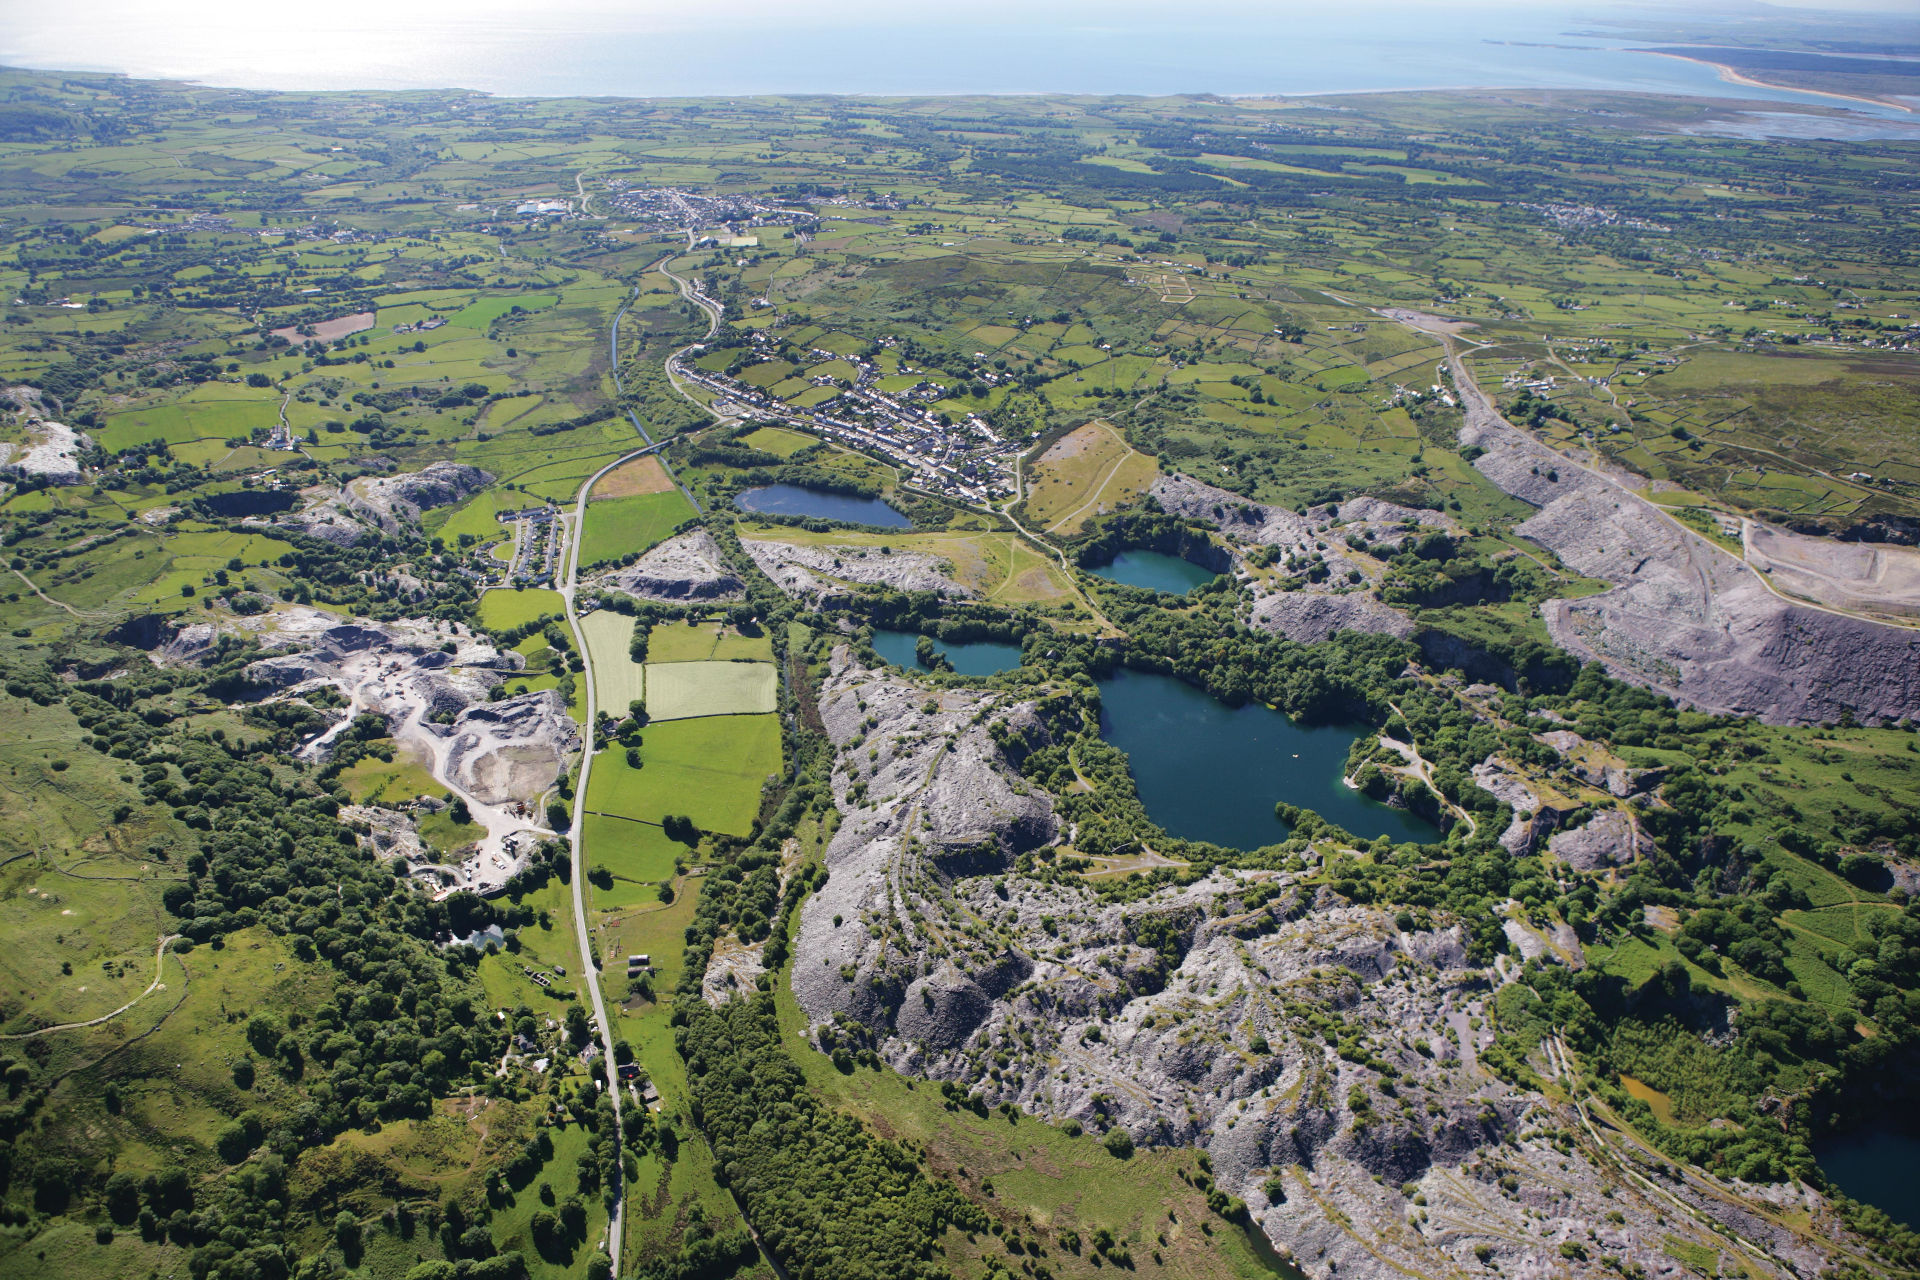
{"points": [[436, 686], [1311, 616], [1686, 618], [1327, 1060], [323, 513], [1610, 838], [388, 833], [392, 501], [827, 575], [1312, 611], [684, 568], [47, 449], [1241, 519]]}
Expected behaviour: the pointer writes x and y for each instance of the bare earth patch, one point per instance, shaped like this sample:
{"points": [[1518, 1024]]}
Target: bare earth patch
{"points": [[641, 476], [331, 330]]}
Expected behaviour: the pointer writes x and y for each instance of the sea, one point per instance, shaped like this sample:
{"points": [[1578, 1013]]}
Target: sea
{"points": [[644, 48]]}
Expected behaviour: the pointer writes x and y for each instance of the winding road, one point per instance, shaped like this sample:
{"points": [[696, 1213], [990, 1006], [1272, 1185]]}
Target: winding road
{"points": [[569, 590]]}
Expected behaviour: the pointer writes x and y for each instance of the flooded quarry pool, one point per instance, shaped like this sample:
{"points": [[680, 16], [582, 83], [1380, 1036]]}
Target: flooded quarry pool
{"points": [[799, 500], [1207, 771], [969, 657], [1155, 570]]}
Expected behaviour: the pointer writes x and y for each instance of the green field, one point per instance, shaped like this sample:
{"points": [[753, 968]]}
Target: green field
{"points": [[682, 690], [639, 854], [622, 526], [709, 769], [506, 607], [484, 312], [617, 678], [704, 642]]}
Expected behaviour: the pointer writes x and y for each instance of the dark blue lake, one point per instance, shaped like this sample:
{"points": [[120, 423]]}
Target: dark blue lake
{"points": [[969, 658], [1155, 570], [1881, 1168], [797, 500], [1207, 771]]}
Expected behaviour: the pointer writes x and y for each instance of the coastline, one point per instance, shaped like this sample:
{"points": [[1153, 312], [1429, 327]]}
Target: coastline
{"points": [[1733, 76]]}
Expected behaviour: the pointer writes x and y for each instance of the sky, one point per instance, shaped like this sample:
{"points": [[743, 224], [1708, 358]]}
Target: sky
{"points": [[643, 47]]}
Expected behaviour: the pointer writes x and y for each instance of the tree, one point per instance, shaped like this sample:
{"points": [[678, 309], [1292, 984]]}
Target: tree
{"points": [[1119, 1143], [123, 1197]]}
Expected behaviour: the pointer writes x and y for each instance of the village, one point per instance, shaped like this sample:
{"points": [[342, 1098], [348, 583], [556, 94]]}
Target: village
{"points": [[966, 460]]}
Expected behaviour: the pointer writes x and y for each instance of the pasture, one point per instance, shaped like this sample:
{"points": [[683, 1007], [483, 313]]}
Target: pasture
{"points": [[617, 527], [704, 641], [684, 690], [617, 678], [503, 608], [709, 769]]}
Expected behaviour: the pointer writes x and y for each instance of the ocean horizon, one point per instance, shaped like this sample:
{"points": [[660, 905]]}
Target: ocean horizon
{"points": [[582, 50]]}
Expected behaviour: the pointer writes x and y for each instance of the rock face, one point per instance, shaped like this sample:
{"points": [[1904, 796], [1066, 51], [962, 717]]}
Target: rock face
{"points": [[1312, 616], [395, 500], [1240, 519], [432, 687], [389, 834], [1328, 1061], [1609, 839], [688, 567], [1316, 611], [1686, 618], [828, 574], [323, 513], [50, 450], [510, 750]]}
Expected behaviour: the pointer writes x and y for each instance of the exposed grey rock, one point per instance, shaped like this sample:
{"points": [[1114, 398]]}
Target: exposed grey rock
{"points": [[510, 750], [687, 567], [1312, 616], [1308, 1044], [390, 833], [189, 644], [391, 501], [323, 513], [1240, 519], [1610, 838], [51, 452], [826, 575], [1685, 617]]}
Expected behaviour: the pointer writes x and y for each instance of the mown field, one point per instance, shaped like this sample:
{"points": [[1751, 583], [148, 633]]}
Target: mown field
{"points": [[619, 527]]}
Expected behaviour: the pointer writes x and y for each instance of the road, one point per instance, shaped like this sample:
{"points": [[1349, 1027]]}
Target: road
{"points": [[589, 967], [567, 578]]}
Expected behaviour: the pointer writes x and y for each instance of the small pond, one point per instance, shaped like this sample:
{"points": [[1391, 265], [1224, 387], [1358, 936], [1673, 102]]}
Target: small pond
{"points": [[1155, 570], [798, 500], [1881, 1168], [1207, 771], [969, 658], [249, 502]]}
